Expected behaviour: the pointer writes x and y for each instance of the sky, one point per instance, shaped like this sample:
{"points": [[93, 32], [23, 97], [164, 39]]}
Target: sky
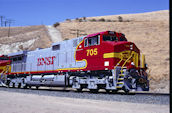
{"points": [[47, 12]]}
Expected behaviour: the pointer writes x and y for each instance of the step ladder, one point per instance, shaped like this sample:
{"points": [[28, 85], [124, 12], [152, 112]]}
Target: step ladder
{"points": [[120, 79], [121, 75]]}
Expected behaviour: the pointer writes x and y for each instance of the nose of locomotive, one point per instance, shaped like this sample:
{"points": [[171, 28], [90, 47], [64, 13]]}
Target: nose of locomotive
{"points": [[127, 51], [124, 46]]}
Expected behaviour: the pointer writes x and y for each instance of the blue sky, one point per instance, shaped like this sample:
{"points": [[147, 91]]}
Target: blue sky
{"points": [[36, 12]]}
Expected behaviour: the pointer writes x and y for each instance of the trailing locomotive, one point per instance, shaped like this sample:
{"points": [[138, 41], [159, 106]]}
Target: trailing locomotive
{"points": [[104, 60]]}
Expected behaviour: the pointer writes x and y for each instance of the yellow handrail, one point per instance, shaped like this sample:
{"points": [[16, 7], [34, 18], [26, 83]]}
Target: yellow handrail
{"points": [[119, 61], [5, 69], [126, 62]]}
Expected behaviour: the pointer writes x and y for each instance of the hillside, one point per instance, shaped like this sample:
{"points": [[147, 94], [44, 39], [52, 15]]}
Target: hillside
{"points": [[23, 38], [149, 31]]}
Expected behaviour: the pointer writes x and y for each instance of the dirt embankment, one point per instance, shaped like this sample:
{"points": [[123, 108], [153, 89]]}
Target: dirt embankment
{"points": [[23, 38]]}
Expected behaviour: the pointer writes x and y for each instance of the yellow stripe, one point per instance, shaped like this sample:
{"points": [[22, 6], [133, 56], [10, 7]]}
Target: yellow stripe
{"points": [[143, 61], [2, 67], [111, 55], [76, 67], [125, 54], [117, 54]]}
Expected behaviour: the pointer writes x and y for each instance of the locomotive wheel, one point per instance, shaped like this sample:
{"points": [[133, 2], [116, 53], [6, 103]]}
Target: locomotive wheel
{"points": [[108, 91], [114, 91], [25, 87], [126, 91], [19, 86], [13, 86], [37, 87], [79, 90], [8, 83], [94, 90]]}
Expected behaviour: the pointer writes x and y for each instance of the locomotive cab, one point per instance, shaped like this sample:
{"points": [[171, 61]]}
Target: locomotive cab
{"points": [[104, 47]]}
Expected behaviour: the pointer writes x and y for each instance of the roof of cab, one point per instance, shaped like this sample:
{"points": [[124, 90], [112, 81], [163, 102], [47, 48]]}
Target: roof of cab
{"points": [[17, 53]]}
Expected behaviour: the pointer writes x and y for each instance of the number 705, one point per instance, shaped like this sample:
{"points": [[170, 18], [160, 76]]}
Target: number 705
{"points": [[91, 52]]}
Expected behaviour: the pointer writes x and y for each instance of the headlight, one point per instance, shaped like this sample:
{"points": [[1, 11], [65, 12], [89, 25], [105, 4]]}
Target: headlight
{"points": [[131, 47], [106, 63]]}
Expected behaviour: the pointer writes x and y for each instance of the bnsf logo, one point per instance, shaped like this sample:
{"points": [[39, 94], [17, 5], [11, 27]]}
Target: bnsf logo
{"points": [[46, 61]]}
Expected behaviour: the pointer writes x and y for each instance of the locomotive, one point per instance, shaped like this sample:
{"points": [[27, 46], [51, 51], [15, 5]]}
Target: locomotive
{"points": [[103, 60]]}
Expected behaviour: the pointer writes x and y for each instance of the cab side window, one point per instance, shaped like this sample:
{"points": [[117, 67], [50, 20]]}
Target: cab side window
{"points": [[93, 41], [90, 41], [86, 42]]}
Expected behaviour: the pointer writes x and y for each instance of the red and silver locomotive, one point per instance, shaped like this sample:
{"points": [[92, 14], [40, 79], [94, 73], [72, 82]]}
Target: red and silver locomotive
{"points": [[104, 60]]}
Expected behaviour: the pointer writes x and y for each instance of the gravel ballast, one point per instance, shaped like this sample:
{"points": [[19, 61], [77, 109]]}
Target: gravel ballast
{"points": [[120, 97]]}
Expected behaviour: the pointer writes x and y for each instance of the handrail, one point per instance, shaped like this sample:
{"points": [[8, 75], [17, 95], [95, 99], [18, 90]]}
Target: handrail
{"points": [[5, 69], [122, 57], [119, 61], [126, 61]]}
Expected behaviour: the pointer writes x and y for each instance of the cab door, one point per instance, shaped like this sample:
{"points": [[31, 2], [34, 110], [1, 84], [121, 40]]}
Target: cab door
{"points": [[92, 51]]}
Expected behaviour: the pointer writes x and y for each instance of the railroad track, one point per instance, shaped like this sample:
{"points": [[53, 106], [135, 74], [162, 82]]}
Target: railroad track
{"points": [[139, 97], [100, 92]]}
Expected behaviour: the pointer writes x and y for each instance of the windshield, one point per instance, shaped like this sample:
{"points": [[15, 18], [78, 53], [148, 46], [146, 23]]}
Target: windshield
{"points": [[113, 38], [122, 39], [109, 38]]}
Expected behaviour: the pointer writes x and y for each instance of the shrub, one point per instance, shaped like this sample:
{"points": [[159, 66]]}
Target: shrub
{"points": [[102, 20], [66, 39], [109, 20], [56, 24], [76, 18], [69, 20], [127, 20], [84, 18], [80, 20], [93, 20], [120, 19], [114, 20]]}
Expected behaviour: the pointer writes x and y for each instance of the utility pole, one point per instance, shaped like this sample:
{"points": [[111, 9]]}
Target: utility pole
{"points": [[9, 23], [6, 23], [78, 32], [2, 17]]}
